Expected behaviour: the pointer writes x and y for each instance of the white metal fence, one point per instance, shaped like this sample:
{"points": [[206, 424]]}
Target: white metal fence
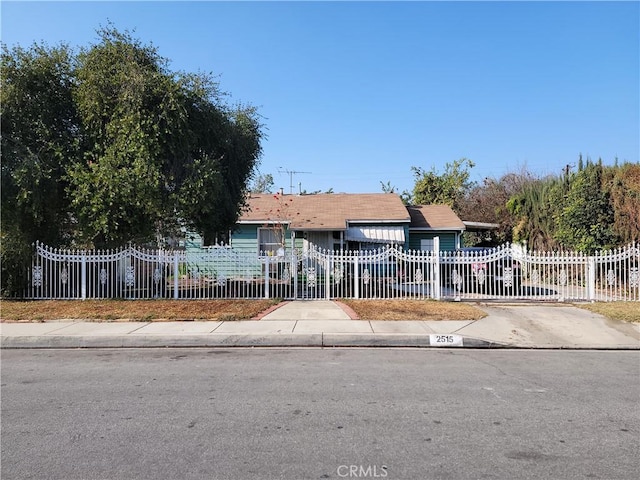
{"points": [[508, 273]]}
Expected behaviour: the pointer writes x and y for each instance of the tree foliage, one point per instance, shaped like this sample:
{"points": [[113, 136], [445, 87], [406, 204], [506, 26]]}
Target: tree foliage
{"points": [[107, 146], [592, 208], [486, 202], [39, 138], [123, 147], [532, 208], [263, 183], [625, 200], [448, 188], [585, 219], [596, 207], [159, 146]]}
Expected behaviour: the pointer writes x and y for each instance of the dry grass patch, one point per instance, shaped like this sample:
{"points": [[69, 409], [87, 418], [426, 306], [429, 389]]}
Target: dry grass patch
{"points": [[132, 310], [413, 310], [625, 311]]}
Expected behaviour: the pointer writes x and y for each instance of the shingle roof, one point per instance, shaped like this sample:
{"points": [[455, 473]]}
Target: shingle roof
{"points": [[325, 211], [434, 217]]}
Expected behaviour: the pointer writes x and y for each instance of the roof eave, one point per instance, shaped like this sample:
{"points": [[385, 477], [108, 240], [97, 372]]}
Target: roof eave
{"points": [[262, 222], [319, 229], [388, 220], [481, 225], [436, 229]]}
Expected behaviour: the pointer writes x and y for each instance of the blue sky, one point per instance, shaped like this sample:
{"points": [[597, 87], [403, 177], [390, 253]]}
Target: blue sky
{"points": [[356, 93]]}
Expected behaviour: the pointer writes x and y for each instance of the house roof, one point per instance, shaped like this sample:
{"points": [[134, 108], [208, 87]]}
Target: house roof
{"points": [[434, 217], [325, 211], [480, 226]]}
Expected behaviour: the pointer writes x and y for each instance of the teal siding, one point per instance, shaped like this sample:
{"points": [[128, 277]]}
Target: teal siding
{"points": [[192, 241], [245, 238], [213, 263], [447, 239]]}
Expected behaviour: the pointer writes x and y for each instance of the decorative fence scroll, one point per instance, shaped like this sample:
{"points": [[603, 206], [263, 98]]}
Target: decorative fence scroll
{"points": [[508, 272]]}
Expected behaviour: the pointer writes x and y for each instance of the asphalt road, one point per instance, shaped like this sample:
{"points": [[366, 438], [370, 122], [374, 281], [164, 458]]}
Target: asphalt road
{"points": [[316, 414]]}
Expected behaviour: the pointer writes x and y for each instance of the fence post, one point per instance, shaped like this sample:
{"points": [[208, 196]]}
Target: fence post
{"points": [[435, 272], [176, 274], [83, 276], [356, 276], [591, 278], [31, 273], [294, 272], [327, 276], [266, 277]]}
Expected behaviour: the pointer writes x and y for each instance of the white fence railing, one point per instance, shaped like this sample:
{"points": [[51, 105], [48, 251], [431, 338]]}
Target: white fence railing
{"points": [[508, 273]]}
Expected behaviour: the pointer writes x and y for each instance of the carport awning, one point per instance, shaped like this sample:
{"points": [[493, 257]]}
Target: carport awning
{"points": [[375, 234]]}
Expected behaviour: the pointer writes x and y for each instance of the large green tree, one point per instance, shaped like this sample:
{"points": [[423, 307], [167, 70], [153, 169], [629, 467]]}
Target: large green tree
{"points": [[448, 188], [116, 187], [159, 146], [108, 145], [595, 207], [585, 221], [535, 210], [39, 140]]}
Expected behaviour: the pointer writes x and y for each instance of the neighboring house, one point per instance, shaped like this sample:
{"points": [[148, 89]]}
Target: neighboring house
{"points": [[430, 221]]}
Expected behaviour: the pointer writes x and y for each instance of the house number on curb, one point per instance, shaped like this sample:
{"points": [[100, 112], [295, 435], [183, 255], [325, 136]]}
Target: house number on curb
{"points": [[445, 340]]}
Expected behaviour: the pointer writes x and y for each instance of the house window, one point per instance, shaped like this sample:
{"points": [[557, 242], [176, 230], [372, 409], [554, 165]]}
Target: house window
{"points": [[365, 246], [216, 240], [269, 241], [427, 244]]}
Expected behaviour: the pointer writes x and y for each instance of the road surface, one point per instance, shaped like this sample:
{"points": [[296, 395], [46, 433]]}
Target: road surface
{"points": [[317, 414]]}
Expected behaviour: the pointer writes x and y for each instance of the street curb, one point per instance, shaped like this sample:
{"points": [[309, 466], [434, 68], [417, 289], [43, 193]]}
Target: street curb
{"points": [[398, 340], [328, 340], [163, 341]]}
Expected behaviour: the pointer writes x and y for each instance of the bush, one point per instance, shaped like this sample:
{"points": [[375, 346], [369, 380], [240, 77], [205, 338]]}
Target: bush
{"points": [[15, 257]]}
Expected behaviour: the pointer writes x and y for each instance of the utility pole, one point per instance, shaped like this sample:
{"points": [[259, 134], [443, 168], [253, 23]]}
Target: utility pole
{"points": [[291, 173]]}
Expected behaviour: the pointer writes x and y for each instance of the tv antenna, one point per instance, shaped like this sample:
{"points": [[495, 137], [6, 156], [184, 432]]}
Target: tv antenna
{"points": [[291, 173]]}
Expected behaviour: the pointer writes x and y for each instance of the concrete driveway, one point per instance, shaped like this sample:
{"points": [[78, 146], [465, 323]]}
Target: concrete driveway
{"points": [[553, 326]]}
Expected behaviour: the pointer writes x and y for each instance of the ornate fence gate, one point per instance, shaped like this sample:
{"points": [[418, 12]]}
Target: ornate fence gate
{"points": [[384, 273], [510, 272], [505, 273]]}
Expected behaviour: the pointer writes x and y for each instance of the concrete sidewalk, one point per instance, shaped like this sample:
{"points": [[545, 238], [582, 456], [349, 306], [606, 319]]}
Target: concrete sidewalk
{"points": [[327, 324]]}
